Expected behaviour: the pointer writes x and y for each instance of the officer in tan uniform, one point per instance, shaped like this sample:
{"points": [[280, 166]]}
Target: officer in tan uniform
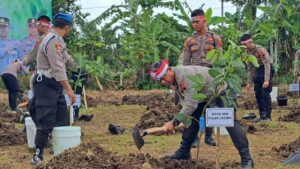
{"points": [[261, 77], [178, 77], [51, 80], [297, 65], [194, 53], [9, 77], [43, 25]]}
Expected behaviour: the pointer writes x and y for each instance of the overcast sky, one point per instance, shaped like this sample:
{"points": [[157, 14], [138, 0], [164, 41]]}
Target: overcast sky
{"points": [[96, 7]]}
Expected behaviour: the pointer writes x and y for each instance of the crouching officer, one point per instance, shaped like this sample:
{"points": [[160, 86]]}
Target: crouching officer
{"points": [[50, 81], [178, 76], [261, 77]]}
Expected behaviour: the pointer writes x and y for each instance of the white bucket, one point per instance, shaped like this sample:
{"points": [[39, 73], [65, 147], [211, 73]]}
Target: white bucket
{"points": [[30, 132], [274, 93], [65, 137]]}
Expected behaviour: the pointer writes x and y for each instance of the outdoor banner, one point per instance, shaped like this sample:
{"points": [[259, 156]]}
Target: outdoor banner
{"points": [[18, 32]]}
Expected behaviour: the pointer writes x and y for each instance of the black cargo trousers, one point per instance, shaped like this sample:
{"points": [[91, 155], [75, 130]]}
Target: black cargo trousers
{"points": [[12, 85], [262, 95], [50, 108], [236, 133]]}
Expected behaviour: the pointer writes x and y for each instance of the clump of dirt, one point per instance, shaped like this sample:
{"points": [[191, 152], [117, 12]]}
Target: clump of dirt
{"points": [[154, 118], [144, 100], [10, 135], [92, 155], [8, 117], [293, 116], [248, 126], [287, 149], [89, 155]]}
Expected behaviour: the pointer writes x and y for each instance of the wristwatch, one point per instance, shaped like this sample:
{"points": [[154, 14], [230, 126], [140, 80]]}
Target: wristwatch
{"points": [[176, 122]]}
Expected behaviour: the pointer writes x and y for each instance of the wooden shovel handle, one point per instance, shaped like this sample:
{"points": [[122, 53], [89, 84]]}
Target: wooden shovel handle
{"points": [[155, 129]]}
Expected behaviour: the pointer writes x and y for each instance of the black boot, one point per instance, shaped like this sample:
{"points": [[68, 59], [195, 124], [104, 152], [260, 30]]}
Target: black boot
{"points": [[195, 142], [76, 114], [37, 157], [209, 140], [246, 160], [183, 153]]}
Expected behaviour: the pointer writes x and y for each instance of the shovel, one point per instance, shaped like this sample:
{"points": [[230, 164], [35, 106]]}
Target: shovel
{"points": [[293, 158], [138, 138]]}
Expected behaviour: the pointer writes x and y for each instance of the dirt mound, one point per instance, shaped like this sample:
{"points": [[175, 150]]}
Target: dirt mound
{"points": [[9, 135], [154, 118], [8, 117], [248, 126], [294, 116], [287, 149], [89, 155], [92, 155], [144, 100]]}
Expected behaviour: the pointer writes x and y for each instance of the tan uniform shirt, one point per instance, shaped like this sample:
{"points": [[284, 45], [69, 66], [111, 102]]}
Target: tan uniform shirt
{"points": [[263, 58], [196, 48], [15, 69], [53, 55], [184, 86], [297, 59]]}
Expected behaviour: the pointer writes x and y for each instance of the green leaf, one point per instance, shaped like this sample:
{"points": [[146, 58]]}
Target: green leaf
{"points": [[199, 96], [211, 54], [188, 121], [253, 60], [214, 72], [179, 117], [208, 14], [196, 78], [225, 101], [238, 64]]}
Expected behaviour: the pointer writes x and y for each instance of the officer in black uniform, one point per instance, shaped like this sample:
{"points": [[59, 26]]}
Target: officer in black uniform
{"points": [[50, 82]]}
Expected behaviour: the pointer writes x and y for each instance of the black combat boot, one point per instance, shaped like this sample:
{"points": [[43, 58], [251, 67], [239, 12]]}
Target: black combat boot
{"points": [[37, 157], [195, 142], [76, 113], [183, 153], [209, 140], [246, 160]]}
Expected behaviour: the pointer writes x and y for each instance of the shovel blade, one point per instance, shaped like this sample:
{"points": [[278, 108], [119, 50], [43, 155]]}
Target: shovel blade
{"points": [[293, 158], [138, 139]]}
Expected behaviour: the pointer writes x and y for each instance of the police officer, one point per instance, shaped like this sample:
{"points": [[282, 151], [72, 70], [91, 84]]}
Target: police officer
{"points": [[297, 59], [9, 78], [178, 77], [261, 77], [51, 80], [194, 53], [9, 48], [27, 43], [43, 25]]}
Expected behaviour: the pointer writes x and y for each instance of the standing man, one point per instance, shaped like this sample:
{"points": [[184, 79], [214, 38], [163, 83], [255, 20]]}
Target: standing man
{"points": [[194, 53], [27, 43], [261, 77], [51, 80], [9, 48], [297, 65], [178, 77], [9, 78], [43, 25]]}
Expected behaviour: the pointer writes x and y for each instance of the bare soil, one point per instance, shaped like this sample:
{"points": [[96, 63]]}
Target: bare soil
{"points": [[293, 116], [10, 135], [92, 155], [287, 149]]}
